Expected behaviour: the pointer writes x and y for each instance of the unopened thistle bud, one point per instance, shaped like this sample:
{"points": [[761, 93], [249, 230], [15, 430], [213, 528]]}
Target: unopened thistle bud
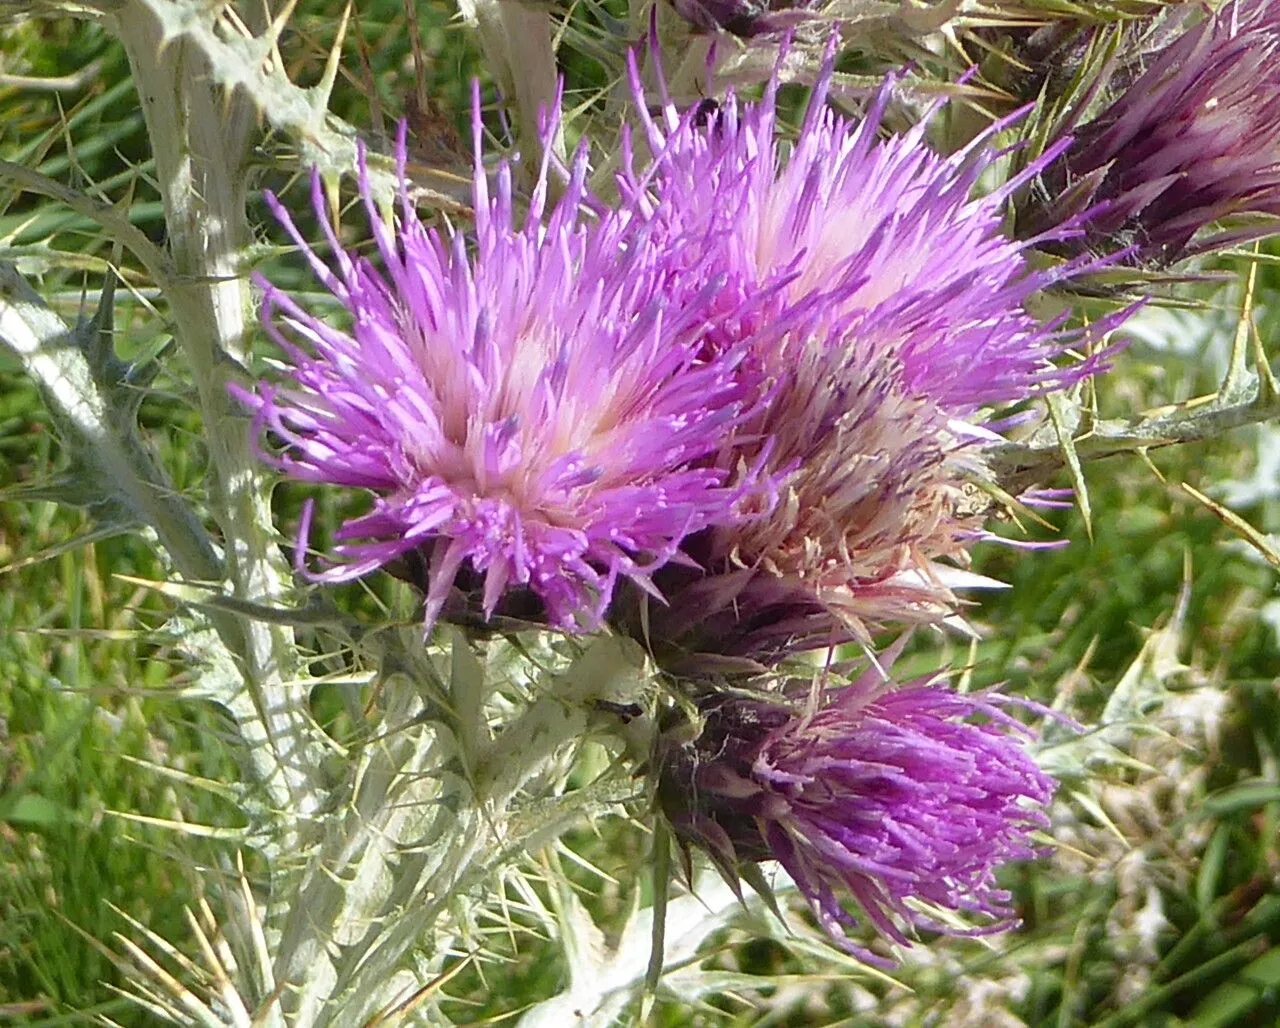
{"points": [[1192, 140]]}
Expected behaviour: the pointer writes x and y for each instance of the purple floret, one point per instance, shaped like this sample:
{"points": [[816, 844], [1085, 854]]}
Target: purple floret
{"points": [[877, 291], [528, 405], [904, 799], [1194, 139], [884, 238]]}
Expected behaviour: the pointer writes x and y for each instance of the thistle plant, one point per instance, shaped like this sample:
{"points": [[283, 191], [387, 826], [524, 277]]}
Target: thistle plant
{"points": [[633, 482], [532, 415]]}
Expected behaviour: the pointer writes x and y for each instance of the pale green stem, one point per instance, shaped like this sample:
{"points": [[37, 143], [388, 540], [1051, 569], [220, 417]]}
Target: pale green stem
{"points": [[1019, 465], [341, 897], [479, 848], [199, 138], [427, 821]]}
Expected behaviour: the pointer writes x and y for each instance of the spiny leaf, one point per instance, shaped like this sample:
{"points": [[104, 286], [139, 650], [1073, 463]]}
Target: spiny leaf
{"points": [[246, 62]]}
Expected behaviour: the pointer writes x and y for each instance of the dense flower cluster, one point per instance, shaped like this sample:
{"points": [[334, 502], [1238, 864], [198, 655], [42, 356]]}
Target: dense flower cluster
{"points": [[1193, 139], [894, 308]]}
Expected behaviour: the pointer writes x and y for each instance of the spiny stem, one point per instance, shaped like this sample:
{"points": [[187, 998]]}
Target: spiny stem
{"points": [[200, 142], [58, 364], [1019, 465]]}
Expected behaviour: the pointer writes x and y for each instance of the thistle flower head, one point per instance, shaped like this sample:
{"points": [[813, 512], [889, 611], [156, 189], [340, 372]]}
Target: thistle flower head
{"points": [[526, 408], [884, 238], [899, 799], [890, 307], [876, 497], [1192, 140]]}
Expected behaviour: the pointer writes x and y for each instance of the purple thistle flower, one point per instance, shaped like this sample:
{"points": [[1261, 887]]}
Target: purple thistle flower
{"points": [[887, 307], [900, 798], [883, 239], [530, 411], [1191, 141], [875, 500]]}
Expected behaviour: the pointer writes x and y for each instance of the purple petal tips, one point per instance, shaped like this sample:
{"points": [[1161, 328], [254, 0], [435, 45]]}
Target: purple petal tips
{"points": [[904, 800], [744, 389], [528, 408], [886, 306], [880, 244]]}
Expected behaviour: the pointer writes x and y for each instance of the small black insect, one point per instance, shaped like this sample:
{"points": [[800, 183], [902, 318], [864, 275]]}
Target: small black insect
{"points": [[707, 113], [625, 711]]}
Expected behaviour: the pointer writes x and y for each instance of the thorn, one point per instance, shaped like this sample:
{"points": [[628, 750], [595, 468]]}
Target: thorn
{"points": [[1089, 397], [100, 344], [235, 21], [1145, 454], [754, 877], [1238, 525], [1233, 381], [1067, 443], [661, 885], [1268, 388], [274, 31], [394, 1013], [1012, 505], [228, 98], [168, 37], [324, 88]]}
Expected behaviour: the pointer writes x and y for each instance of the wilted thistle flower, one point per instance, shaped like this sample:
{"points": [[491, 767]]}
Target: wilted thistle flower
{"points": [[904, 799], [876, 496], [894, 307], [1194, 139], [526, 409]]}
